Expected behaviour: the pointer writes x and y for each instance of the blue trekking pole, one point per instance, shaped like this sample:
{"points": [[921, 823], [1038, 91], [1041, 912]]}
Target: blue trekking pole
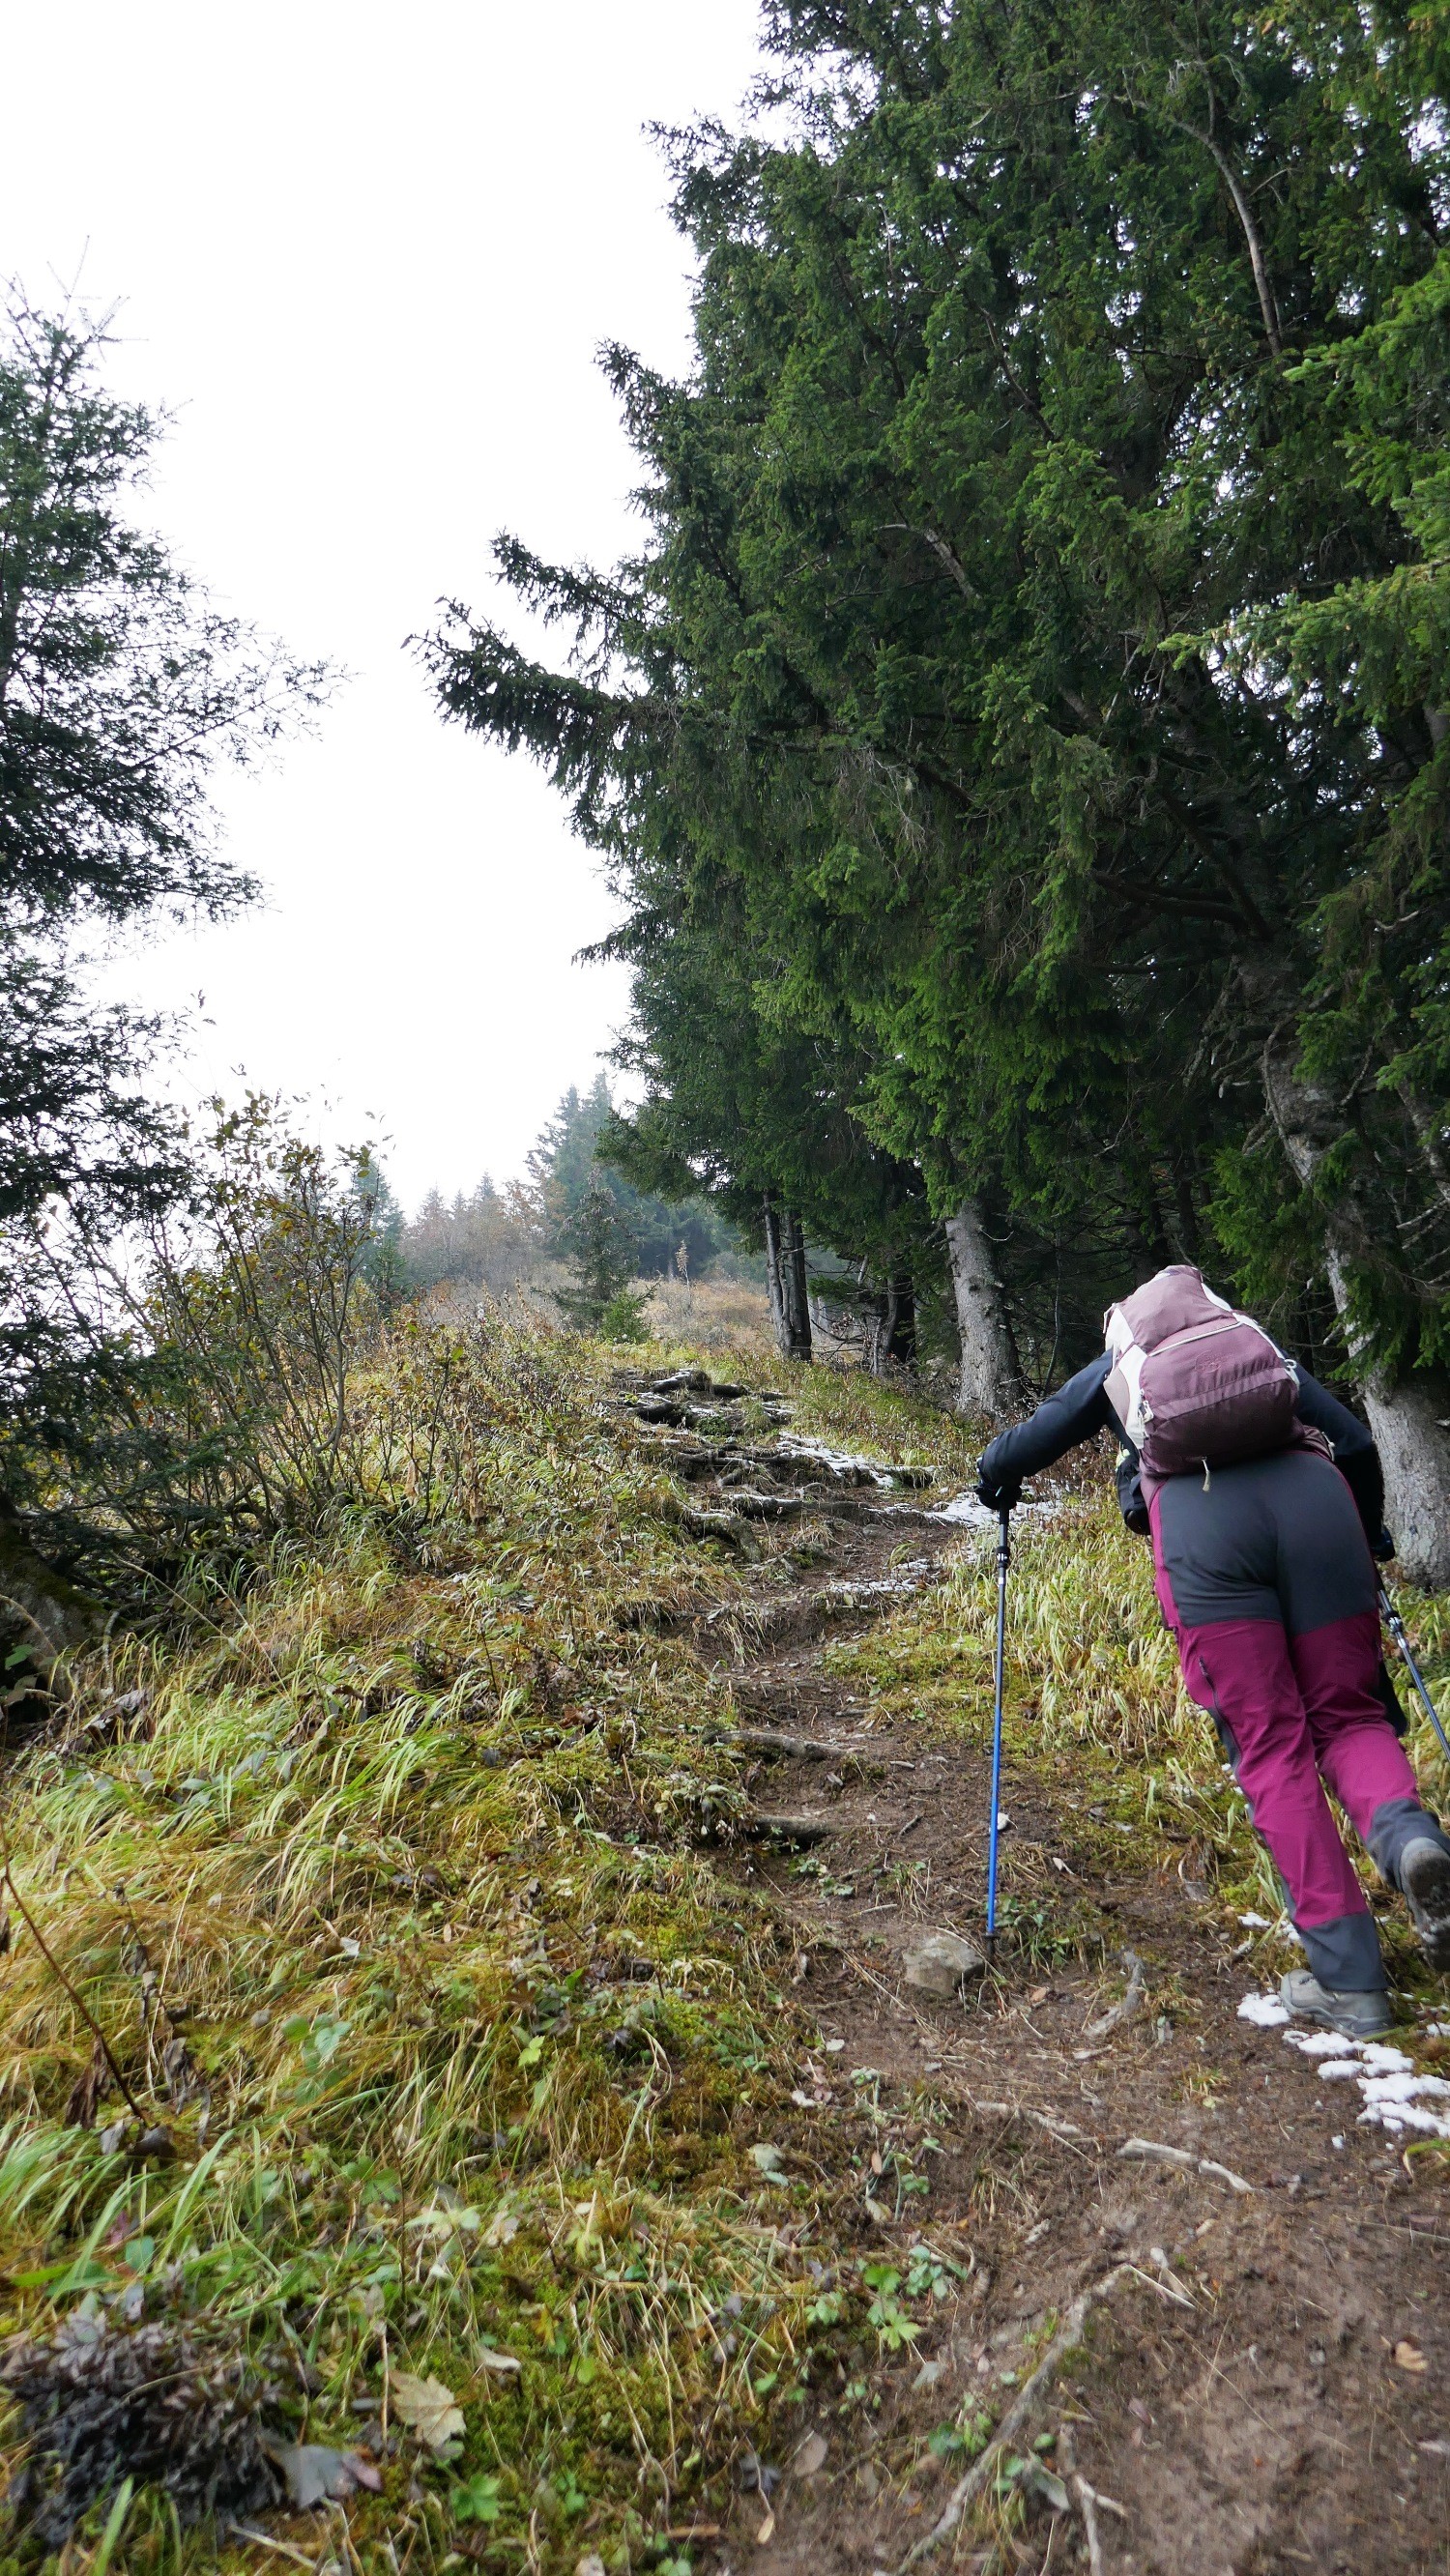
{"points": [[1396, 1627], [1004, 1559]]}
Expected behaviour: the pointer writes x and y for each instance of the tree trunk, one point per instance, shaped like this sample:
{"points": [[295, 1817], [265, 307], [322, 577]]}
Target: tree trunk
{"points": [[786, 1283], [893, 1333], [1408, 1417], [773, 1284], [795, 1290], [991, 1381]]}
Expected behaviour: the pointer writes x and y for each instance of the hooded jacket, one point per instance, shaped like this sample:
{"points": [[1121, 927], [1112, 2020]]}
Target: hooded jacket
{"points": [[1080, 1409]]}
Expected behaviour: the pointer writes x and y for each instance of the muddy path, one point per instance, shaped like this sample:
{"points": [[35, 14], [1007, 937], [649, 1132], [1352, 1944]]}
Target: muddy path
{"points": [[1262, 2384]]}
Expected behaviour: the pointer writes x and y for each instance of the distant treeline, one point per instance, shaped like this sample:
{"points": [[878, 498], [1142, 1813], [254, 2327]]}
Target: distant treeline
{"points": [[495, 1238], [1021, 742]]}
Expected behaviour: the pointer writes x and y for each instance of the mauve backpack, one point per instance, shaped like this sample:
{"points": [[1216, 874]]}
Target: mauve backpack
{"points": [[1196, 1384]]}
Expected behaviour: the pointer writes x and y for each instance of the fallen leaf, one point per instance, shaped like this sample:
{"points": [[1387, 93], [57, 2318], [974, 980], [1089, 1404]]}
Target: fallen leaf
{"points": [[768, 2158], [877, 2209], [1046, 2483], [593, 2565], [767, 2528], [1408, 2356], [316, 2474], [431, 2409], [810, 2457], [502, 2228], [502, 2362]]}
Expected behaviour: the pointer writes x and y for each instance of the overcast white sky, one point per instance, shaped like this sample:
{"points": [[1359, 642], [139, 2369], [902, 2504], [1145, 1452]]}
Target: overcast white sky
{"points": [[367, 258]]}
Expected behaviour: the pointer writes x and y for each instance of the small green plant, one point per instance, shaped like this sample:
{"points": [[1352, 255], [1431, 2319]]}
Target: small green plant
{"points": [[478, 2500], [931, 2274], [828, 2309], [572, 2499], [895, 2329]]}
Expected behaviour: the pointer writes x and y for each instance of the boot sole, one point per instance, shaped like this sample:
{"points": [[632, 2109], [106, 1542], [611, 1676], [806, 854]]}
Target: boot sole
{"points": [[1427, 1893]]}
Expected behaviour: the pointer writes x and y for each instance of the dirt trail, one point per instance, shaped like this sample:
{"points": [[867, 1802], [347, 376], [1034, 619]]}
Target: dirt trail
{"points": [[1266, 2387]]}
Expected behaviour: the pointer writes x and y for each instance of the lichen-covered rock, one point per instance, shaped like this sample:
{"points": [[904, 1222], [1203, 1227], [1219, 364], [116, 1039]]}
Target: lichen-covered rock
{"points": [[941, 1965]]}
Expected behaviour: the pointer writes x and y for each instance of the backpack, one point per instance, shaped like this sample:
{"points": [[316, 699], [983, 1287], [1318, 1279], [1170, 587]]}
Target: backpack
{"points": [[1196, 1384]]}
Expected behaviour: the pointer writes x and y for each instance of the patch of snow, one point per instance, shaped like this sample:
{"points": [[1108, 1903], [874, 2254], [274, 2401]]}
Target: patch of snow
{"points": [[1382, 2060], [851, 1470], [1394, 2095], [975, 1515], [1398, 2116], [1266, 2010], [918, 1570], [1404, 2088], [1256, 1922], [1438, 2030]]}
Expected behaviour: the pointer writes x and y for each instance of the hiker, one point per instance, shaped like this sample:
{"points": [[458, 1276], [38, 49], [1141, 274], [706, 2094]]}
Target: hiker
{"points": [[1264, 1500]]}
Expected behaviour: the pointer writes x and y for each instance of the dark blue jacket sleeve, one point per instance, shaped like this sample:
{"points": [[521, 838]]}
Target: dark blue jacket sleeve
{"points": [[1073, 1414], [1355, 1454]]}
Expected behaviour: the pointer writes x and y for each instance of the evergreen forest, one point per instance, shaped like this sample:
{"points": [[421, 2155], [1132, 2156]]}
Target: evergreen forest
{"points": [[1019, 740]]}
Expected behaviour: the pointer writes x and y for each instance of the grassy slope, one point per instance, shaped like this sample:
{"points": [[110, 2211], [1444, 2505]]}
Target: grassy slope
{"points": [[389, 1848]]}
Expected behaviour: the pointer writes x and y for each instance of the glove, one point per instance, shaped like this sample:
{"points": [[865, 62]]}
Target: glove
{"points": [[1384, 1547], [998, 1498]]}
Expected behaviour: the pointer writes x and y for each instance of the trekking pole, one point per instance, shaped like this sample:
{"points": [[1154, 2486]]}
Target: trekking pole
{"points": [[1396, 1627], [1004, 1559]]}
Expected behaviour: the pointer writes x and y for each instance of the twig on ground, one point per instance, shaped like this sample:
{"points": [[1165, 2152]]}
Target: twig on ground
{"points": [[265, 2540], [1048, 2120], [7, 1879], [1186, 2160], [774, 1740], [1127, 2006], [1088, 2500]]}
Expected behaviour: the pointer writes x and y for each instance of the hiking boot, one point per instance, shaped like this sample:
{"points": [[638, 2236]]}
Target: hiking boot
{"points": [[1425, 1879], [1353, 2015]]}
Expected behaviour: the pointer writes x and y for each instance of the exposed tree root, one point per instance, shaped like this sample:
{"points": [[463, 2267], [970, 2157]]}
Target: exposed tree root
{"points": [[967, 2489]]}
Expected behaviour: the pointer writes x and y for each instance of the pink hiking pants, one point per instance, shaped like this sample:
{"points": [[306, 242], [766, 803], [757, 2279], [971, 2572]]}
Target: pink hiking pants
{"points": [[1266, 1579]]}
